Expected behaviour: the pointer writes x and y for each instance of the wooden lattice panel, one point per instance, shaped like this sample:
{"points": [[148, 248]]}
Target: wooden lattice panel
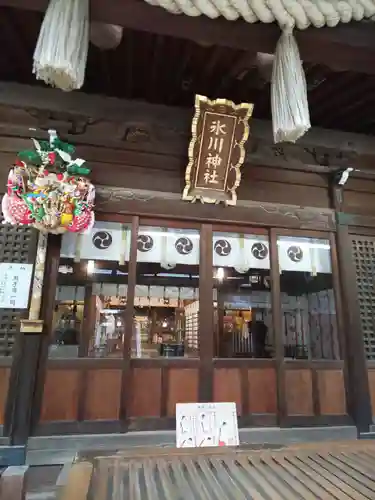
{"points": [[17, 244], [364, 259]]}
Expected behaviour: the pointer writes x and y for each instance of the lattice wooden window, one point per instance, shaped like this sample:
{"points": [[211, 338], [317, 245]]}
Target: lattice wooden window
{"points": [[17, 244], [364, 258]]}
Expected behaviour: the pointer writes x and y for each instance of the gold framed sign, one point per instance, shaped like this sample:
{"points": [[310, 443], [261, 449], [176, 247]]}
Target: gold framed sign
{"points": [[220, 130]]}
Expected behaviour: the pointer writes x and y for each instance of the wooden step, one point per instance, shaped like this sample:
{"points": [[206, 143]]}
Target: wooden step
{"points": [[340, 471]]}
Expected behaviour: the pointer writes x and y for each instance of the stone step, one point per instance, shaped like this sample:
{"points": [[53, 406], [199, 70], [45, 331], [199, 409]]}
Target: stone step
{"points": [[42, 482], [12, 455], [273, 435], [367, 435], [41, 495], [50, 450]]}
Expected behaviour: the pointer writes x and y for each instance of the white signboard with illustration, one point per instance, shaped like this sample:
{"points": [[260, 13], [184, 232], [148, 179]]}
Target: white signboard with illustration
{"points": [[201, 425]]}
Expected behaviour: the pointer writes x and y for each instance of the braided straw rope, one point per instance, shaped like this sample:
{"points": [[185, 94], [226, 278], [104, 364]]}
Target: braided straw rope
{"points": [[287, 13]]}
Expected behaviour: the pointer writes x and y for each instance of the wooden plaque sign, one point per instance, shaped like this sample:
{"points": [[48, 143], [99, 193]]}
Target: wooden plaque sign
{"points": [[219, 132]]}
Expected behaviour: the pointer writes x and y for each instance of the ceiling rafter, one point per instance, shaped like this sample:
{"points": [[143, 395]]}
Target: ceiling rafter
{"points": [[360, 111], [155, 67], [179, 72], [210, 65], [346, 47], [344, 86], [18, 44], [244, 62]]}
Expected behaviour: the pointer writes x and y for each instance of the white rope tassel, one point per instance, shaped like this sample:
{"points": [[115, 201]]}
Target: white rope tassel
{"points": [[290, 109], [61, 51]]}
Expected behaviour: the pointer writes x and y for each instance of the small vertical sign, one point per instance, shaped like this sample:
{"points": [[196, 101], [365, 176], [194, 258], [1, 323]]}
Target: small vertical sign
{"points": [[15, 282]]}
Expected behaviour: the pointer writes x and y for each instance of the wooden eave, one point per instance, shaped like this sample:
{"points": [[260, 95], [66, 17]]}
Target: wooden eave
{"points": [[345, 47]]}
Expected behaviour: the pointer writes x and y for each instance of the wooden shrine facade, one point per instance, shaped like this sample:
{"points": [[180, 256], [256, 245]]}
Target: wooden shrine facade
{"points": [[286, 192]]}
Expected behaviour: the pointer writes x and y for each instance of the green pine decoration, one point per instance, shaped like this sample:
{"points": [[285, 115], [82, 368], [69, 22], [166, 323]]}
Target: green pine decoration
{"points": [[76, 170], [56, 155], [30, 157]]}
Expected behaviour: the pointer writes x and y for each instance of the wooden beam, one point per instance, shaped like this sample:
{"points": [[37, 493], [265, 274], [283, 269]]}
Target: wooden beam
{"points": [[345, 219], [160, 129], [125, 202], [137, 147], [79, 104], [345, 47]]}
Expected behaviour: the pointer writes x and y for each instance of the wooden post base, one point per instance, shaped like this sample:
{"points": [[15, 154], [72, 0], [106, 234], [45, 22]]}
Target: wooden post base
{"points": [[13, 483], [31, 326]]}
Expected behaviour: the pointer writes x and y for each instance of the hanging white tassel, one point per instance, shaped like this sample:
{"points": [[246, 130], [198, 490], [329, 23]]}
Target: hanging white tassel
{"points": [[290, 109], [61, 51]]}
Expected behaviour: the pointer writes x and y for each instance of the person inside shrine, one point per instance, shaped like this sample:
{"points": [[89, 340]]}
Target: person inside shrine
{"points": [[258, 331]]}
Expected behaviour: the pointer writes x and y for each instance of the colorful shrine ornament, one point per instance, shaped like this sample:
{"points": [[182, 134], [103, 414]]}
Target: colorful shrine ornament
{"points": [[49, 191]]}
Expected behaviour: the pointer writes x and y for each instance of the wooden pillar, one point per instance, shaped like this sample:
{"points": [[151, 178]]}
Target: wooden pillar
{"points": [[129, 321], [154, 327], [206, 315], [219, 330], [277, 328], [19, 244], [358, 386], [359, 403], [47, 313], [88, 323]]}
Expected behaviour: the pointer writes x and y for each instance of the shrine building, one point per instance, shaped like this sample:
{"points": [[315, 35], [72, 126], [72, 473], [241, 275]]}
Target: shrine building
{"points": [[222, 266]]}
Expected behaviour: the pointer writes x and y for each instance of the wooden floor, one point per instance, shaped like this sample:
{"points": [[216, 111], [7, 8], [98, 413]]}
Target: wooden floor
{"points": [[320, 471]]}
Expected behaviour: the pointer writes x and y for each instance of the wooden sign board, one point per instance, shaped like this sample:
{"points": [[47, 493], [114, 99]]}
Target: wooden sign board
{"points": [[220, 130], [200, 425]]}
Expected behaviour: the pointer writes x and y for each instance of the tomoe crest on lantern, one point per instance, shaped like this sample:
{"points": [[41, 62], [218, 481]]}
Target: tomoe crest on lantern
{"points": [[49, 190]]}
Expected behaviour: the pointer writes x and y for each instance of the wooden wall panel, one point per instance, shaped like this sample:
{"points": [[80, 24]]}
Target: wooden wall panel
{"points": [[182, 388], [262, 390], [163, 170], [60, 396], [145, 393], [165, 173], [4, 386], [371, 380], [331, 388], [103, 391], [227, 387], [275, 192], [360, 202], [298, 392], [158, 160]]}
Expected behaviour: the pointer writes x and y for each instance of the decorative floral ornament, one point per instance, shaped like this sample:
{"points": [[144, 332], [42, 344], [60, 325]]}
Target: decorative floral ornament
{"points": [[48, 190]]}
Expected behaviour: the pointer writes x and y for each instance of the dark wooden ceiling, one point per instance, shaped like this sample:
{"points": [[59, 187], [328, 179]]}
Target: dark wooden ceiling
{"points": [[165, 70]]}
